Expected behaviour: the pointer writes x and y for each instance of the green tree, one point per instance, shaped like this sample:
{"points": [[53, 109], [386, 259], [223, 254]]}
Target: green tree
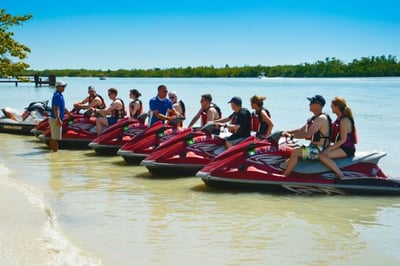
{"points": [[11, 52]]}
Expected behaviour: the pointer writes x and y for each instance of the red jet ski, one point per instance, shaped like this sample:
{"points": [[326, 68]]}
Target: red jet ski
{"points": [[44, 124], [77, 133], [111, 140], [39, 128], [259, 164], [186, 153], [145, 142]]}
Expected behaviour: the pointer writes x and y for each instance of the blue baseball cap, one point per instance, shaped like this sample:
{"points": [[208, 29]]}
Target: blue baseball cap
{"points": [[236, 100], [317, 99]]}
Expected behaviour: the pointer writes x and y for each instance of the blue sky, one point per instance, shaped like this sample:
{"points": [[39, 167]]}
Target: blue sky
{"points": [[145, 34]]}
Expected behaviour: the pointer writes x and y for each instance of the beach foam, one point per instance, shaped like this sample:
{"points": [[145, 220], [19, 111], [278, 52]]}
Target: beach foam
{"points": [[29, 231]]}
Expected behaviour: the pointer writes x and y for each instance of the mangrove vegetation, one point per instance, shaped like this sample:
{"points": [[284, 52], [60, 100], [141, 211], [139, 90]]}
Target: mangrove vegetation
{"points": [[375, 66]]}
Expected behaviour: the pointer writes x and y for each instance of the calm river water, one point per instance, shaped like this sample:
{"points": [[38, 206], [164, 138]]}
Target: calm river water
{"points": [[81, 208]]}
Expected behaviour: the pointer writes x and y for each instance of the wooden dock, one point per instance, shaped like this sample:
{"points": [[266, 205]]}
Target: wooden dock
{"points": [[10, 81], [39, 81], [51, 81]]}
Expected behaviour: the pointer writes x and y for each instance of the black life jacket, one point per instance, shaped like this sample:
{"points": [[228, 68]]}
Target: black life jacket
{"points": [[182, 104], [318, 135], [262, 127], [120, 113], [138, 112], [102, 105]]}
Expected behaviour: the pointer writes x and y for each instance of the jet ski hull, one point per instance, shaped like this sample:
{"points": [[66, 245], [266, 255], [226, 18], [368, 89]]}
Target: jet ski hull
{"points": [[114, 137], [15, 127], [68, 143], [347, 186], [166, 169]]}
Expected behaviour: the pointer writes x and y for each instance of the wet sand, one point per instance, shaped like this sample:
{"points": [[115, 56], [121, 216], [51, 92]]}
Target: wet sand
{"points": [[29, 234], [21, 229]]}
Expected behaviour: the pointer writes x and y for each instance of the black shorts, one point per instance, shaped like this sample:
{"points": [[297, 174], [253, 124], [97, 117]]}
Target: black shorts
{"points": [[350, 151]]}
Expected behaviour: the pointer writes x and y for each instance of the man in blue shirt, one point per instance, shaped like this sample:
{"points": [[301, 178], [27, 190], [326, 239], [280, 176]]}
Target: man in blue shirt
{"points": [[57, 115], [161, 107]]}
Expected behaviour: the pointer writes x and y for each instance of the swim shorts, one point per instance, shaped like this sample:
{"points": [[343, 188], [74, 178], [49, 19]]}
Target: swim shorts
{"points": [[311, 152]]}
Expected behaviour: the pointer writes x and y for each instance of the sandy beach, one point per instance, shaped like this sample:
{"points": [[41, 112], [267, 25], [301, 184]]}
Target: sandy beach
{"points": [[29, 233], [21, 232]]}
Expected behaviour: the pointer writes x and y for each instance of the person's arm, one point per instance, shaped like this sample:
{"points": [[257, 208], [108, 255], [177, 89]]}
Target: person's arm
{"points": [[66, 110], [242, 120], [161, 116], [305, 134], [57, 115], [222, 120], [116, 106], [194, 119], [290, 133], [96, 101], [82, 103], [232, 128], [176, 112]]}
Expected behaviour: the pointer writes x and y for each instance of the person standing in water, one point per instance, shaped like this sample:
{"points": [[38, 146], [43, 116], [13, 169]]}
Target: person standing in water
{"points": [[56, 118]]}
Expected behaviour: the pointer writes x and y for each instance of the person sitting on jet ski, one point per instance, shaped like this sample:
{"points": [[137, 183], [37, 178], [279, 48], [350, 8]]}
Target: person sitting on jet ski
{"points": [[160, 105], [136, 105], [240, 125], [116, 111], [317, 129], [265, 124], [208, 111], [344, 136], [94, 100], [179, 106]]}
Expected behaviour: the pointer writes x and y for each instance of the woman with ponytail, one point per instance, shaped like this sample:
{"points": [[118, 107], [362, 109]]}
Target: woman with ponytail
{"points": [[343, 136], [264, 121]]}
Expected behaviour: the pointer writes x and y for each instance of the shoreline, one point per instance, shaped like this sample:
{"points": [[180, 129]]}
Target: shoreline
{"points": [[29, 232]]}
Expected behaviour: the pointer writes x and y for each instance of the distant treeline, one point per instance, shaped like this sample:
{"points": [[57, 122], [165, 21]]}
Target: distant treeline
{"points": [[380, 66]]}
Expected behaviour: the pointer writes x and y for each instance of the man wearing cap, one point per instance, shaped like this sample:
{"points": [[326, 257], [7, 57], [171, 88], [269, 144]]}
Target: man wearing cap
{"points": [[94, 100], [317, 130], [240, 122], [57, 115]]}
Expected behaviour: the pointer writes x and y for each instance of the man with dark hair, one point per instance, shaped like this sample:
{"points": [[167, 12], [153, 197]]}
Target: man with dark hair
{"points": [[115, 112], [159, 106], [208, 111]]}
